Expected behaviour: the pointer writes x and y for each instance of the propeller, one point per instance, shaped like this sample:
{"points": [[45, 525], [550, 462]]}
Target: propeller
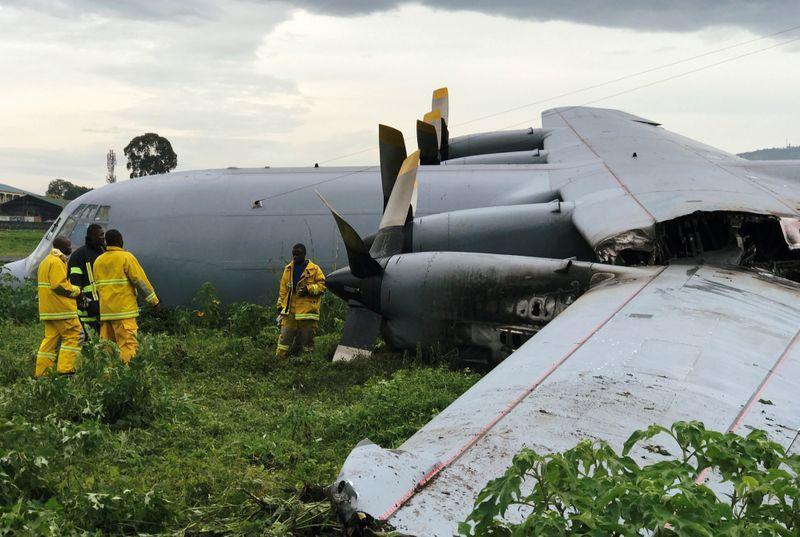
{"points": [[432, 133], [392, 149], [360, 284]]}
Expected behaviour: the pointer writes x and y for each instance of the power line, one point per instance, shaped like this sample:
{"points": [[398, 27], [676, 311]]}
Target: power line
{"points": [[622, 78], [662, 80], [627, 77]]}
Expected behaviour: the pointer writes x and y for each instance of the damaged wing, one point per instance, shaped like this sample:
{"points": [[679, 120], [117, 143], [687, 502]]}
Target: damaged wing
{"points": [[688, 341], [627, 175]]}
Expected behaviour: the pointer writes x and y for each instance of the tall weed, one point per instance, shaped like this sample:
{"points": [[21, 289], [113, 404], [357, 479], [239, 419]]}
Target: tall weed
{"points": [[18, 301], [103, 388]]}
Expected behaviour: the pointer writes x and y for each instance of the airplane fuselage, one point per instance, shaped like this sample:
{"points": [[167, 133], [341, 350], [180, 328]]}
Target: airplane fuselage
{"points": [[195, 227]]}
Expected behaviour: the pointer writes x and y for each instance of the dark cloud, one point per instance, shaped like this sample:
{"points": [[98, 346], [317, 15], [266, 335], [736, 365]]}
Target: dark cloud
{"points": [[675, 15], [133, 9], [658, 15]]}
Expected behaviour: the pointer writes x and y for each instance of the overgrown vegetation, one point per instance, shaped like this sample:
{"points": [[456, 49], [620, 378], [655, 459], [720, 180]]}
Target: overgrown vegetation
{"points": [[591, 490], [206, 433]]}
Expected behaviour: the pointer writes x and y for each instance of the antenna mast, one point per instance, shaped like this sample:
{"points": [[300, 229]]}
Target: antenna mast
{"points": [[111, 161]]}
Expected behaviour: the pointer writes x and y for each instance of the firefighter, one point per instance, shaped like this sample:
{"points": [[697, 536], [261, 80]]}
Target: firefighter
{"points": [[81, 273], [118, 279], [58, 311], [299, 296]]}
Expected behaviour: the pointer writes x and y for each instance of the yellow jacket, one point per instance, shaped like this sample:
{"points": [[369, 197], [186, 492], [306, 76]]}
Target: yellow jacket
{"points": [[118, 276], [304, 308], [56, 294]]}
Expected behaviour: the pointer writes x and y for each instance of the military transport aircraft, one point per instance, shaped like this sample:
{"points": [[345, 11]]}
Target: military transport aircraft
{"points": [[620, 274]]}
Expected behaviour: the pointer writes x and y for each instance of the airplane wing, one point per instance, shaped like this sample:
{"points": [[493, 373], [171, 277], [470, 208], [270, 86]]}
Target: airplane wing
{"points": [[649, 175], [689, 341]]}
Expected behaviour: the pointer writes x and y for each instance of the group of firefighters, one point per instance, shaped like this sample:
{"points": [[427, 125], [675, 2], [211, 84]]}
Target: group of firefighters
{"points": [[95, 290]]}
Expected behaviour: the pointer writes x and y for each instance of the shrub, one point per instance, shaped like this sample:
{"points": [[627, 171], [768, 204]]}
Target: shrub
{"points": [[209, 312], [29, 452], [332, 313], [591, 490], [248, 320], [33, 517], [17, 354], [103, 388], [18, 302]]}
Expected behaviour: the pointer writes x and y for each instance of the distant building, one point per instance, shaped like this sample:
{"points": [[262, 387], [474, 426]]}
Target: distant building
{"points": [[32, 208], [8, 193]]}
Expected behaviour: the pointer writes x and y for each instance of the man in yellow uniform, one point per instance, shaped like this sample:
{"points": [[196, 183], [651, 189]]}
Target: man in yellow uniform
{"points": [[59, 311], [299, 296], [118, 277]]}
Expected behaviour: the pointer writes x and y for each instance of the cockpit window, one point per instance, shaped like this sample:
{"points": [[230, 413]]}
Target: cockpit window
{"points": [[69, 225], [73, 226], [52, 230], [89, 213], [102, 214], [82, 211]]}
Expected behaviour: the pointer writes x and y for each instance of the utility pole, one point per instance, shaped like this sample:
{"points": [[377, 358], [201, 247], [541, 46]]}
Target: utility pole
{"points": [[111, 161]]}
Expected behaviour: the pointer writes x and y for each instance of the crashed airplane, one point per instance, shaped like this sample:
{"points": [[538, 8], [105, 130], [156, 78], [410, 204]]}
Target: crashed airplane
{"points": [[678, 300], [619, 274]]}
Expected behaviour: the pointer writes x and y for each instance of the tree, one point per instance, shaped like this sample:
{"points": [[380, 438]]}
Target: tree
{"points": [[61, 188], [149, 154]]}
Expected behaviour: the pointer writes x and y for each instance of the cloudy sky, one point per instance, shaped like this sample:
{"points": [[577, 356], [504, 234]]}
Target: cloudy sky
{"points": [[255, 83]]}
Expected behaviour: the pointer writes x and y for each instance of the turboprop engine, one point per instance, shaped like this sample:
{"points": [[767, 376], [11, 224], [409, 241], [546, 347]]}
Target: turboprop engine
{"points": [[420, 280], [486, 304]]}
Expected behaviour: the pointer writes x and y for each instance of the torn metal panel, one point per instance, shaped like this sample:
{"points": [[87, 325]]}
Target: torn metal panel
{"points": [[359, 490], [639, 240], [791, 232], [671, 176]]}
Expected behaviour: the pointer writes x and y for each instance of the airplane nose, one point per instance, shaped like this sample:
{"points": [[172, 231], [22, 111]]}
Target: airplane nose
{"points": [[366, 291], [13, 273]]}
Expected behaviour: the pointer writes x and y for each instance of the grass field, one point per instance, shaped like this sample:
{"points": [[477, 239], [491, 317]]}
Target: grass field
{"points": [[18, 243], [206, 434]]}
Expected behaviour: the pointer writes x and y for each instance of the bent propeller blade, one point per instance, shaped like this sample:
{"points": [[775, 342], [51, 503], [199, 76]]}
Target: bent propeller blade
{"points": [[361, 263], [392, 149], [428, 143], [361, 328], [441, 102], [389, 239], [434, 118]]}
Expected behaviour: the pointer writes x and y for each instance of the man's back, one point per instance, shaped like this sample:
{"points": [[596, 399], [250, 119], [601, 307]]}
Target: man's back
{"points": [[118, 276], [56, 294]]}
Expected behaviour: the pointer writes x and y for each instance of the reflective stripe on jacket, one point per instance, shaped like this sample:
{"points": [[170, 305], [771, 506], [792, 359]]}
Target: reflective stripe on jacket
{"points": [[118, 277], [81, 273], [56, 293], [304, 308]]}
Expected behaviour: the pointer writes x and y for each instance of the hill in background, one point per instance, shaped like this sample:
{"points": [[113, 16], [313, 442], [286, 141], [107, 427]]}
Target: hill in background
{"points": [[773, 153]]}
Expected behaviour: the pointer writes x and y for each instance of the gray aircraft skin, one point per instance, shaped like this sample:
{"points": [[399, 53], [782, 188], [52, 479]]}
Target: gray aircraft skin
{"points": [[620, 274], [194, 227]]}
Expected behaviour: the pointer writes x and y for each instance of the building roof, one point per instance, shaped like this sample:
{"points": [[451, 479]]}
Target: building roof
{"points": [[53, 201], [11, 189]]}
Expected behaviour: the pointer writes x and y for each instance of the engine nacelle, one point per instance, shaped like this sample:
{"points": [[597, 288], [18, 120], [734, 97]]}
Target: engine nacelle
{"points": [[537, 156], [496, 142], [488, 303], [537, 230]]}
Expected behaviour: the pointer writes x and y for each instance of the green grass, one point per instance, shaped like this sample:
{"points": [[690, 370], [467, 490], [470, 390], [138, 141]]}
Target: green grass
{"points": [[206, 434], [18, 243]]}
